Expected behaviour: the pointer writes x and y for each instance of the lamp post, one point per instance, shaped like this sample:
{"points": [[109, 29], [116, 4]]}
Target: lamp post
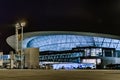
{"points": [[19, 37]]}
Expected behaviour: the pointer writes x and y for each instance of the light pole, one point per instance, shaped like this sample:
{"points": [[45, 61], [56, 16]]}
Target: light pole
{"points": [[19, 37]]}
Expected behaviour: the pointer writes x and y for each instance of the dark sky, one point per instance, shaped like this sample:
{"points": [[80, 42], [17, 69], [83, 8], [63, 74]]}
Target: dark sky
{"points": [[65, 15]]}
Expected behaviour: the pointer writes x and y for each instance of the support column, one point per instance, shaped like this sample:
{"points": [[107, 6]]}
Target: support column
{"points": [[32, 58], [11, 60]]}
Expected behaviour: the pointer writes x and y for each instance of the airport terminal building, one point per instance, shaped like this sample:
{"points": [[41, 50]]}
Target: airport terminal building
{"points": [[57, 47]]}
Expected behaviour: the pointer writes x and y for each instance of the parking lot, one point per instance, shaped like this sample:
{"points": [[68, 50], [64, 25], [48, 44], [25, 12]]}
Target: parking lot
{"points": [[19, 74]]}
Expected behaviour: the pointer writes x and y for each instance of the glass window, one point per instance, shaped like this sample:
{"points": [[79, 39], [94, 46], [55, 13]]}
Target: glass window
{"points": [[108, 53], [67, 42]]}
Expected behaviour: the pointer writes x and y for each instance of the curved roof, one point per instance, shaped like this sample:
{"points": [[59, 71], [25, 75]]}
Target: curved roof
{"points": [[65, 40]]}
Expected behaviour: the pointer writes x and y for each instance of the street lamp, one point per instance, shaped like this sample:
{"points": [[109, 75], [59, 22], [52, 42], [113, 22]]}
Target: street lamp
{"points": [[19, 37]]}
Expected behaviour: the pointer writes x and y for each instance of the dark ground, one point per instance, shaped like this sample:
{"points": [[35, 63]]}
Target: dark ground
{"points": [[59, 74]]}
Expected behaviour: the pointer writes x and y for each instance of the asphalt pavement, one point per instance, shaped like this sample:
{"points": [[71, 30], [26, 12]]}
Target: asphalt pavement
{"points": [[21, 74]]}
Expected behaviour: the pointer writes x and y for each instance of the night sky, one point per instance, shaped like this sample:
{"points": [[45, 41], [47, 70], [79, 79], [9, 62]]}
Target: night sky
{"points": [[101, 16]]}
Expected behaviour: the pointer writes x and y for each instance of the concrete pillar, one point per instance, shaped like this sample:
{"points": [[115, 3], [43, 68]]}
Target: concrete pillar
{"points": [[31, 58], [1, 59], [11, 64], [11, 59]]}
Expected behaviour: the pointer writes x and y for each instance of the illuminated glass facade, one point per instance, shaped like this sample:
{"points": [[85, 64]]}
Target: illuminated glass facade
{"points": [[93, 46], [102, 48], [78, 55], [67, 42], [64, 57]]}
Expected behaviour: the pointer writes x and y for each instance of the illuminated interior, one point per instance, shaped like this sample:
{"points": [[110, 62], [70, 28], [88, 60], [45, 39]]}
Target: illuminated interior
{"points": [[59, 47], [67, 42]]}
